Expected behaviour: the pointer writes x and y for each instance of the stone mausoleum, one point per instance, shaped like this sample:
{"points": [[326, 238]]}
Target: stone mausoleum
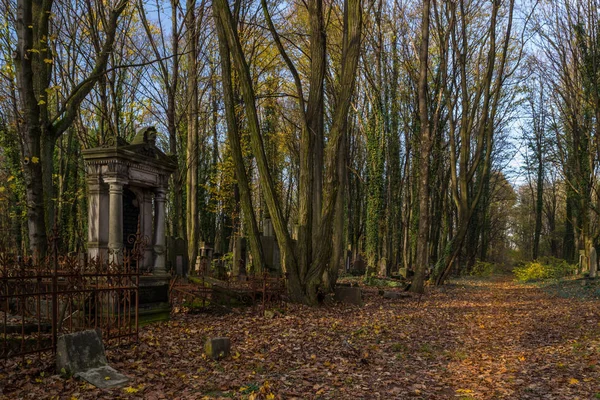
{"points": [[127, 185]]}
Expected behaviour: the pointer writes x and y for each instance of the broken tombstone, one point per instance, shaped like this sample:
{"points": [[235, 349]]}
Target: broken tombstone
{"points": [[82, 355], [217, 348], [348, 295]]}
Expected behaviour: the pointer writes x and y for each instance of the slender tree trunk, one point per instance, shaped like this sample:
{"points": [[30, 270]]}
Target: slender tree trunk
{"points": [[422, 259], [192, 134]]}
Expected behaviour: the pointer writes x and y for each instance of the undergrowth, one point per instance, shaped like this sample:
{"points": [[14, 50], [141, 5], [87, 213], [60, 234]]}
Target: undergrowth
{"points": [[544, 268]]}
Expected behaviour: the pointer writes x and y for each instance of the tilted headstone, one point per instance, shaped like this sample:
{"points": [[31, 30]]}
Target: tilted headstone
{"points": [[383, 267], [348, 295], [82, 355], [217, 348], [593, 262]]}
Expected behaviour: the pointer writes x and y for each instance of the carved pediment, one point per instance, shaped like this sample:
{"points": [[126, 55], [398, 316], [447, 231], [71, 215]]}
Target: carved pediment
{"points": [[141, 152]]}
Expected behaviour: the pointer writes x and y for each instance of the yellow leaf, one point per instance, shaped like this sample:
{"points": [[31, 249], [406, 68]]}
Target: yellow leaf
{"points": [[236, 355], [35, 159], [48, 60], [107, 378], [41, 102], [522, 358], [2, 189], [270, 396], [130, 389], [464, 391], [573, 381], [10, 178]]}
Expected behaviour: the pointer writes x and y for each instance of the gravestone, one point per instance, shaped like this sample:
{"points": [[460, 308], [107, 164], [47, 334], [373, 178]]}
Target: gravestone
{"points": [[383, 267], [217, 348], [348, 295], [206, 257], [593, 262], [348, 262], [272, 254], [82, 355], [220, 272], [392, 294], [178, 256], [359, 266]]}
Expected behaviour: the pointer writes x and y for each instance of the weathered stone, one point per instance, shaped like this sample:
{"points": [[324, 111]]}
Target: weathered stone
{"points": [[82, 355], [390, 294], [348, 295], [383, 267], [217, 348], [178, 255], [127, 183], [359, 266]]}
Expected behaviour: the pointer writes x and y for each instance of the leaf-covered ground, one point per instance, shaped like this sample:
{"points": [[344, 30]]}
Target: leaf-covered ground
{"points": [[466, 340]]}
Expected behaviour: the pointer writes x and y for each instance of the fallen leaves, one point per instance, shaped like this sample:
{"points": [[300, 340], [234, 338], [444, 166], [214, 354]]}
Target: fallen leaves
{"points": [[476, 340]]}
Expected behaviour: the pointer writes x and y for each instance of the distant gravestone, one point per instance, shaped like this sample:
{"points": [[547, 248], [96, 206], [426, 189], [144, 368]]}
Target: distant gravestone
{"points": [[383, 267], [593, 262], [217, 348], [348, 295], [177, 249], [359, 266], [393, 295], [82, 355]]}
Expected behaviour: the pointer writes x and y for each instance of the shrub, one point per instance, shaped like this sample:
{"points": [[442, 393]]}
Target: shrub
{"points": [[483, 269], [544, 268]]}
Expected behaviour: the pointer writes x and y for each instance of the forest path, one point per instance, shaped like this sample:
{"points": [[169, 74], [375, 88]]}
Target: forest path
{"points": [[470, 339], [509, 340]]}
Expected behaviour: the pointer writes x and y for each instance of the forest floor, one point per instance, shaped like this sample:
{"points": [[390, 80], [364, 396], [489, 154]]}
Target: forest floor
{"points": [[471, 339]]}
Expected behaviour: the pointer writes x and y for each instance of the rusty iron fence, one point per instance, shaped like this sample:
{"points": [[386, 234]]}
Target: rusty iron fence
{"points": [[200, 291], [42, 298]]}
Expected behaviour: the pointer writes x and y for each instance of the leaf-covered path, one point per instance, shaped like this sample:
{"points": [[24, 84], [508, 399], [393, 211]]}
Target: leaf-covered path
{"points": [[469, 340]]}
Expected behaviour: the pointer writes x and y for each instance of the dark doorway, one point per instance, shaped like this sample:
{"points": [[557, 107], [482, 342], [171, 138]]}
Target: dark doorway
{"points": [[131, 215]]}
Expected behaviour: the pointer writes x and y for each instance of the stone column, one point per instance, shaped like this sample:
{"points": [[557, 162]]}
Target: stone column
{"points": [[115, 223], [97, 216], [159, 233]]}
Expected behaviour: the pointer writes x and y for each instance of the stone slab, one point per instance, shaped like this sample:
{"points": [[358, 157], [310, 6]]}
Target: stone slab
{"points": [[348, 295], [82, 355], [217, 348], [389, 294], [104, 377], [80, 351]]}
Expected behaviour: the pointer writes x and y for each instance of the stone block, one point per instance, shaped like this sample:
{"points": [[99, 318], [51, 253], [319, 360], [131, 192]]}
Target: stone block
{"points": [[217, 348], [390, 294], [80, 351], [348, 295], [82, 355]]}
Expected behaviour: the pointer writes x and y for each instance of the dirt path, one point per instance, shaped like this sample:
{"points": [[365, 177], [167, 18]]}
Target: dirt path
{"points": [[467, 340]]}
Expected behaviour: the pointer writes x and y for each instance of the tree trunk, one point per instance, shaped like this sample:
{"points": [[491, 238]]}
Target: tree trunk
{"points": [[422, 259]]}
